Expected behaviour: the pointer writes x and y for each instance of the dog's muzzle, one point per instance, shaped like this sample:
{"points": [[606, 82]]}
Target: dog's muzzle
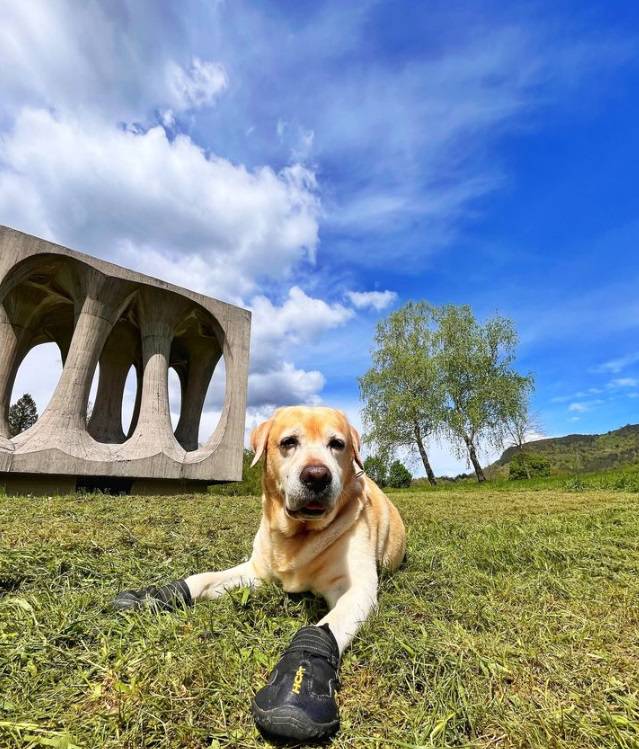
{"points": [[315, 498]]}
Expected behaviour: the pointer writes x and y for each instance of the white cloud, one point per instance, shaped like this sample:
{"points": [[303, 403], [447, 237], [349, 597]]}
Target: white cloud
{"points": [[121, 62], [196, 87], [151, 202], [279, 331], [583, 406], [377, 300], [578, 407], [534, 435], [285, 386], [624, 382], [299, 320], [618, 364], [580, 394], [299, 139]]}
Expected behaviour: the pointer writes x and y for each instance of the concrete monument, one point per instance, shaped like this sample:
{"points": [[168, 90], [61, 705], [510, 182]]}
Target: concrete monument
{"points": [[97, 312]]}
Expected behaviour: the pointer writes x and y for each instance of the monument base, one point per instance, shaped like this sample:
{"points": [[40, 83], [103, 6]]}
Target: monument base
{"points": [[38, 485]]}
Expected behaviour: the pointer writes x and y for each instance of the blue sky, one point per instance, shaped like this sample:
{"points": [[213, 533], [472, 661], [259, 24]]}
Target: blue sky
{"points": [[323, 162]]}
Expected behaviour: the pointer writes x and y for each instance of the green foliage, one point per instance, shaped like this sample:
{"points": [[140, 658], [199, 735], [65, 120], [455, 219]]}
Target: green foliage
{"points": [[481, 388], [401, 392], [376, 468], [251, 483], [621, 481], [440, 370], [526, 465], [399, 477], [513, 623], [22, 414]]}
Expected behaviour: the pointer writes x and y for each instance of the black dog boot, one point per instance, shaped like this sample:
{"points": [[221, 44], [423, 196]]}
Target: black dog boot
{"points": [[165, 598], [298, 703]]}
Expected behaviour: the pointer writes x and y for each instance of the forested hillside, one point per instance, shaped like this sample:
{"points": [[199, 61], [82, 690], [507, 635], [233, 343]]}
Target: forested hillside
{"points": [[575, 453]]}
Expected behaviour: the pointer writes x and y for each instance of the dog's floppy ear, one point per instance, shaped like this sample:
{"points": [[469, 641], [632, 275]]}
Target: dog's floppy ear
{"points": [[357, 446], [259, 437]]}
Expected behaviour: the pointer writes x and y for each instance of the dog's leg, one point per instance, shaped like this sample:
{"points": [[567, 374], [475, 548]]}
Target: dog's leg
{"points": [[208, 585], [184, 593], [350, 606], [299, 700]]}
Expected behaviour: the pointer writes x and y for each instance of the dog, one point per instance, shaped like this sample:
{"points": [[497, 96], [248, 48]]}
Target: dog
{"points": [[326, 528]]}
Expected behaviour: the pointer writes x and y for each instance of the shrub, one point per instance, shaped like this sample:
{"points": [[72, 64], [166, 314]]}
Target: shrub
{"points": [[399, 476], [574, 484], [376, 469], [525, 465]]}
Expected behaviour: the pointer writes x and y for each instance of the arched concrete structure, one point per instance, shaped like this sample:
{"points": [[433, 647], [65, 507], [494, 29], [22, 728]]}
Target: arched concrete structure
{"points": [[99, 312]]}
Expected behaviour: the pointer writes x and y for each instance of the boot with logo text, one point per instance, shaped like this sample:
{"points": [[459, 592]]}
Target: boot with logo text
{"points": [[299, 700]]}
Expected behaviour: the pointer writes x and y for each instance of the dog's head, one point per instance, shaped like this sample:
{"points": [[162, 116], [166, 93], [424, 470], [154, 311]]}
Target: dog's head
{"points": [[310, 456]]}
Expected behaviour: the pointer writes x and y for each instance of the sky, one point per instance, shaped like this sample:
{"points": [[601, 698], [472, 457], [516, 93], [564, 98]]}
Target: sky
{"points": [[322, 163]]}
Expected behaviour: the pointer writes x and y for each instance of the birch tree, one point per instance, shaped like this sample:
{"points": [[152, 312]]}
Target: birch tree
{"points": [[401, 391], [481, 390]]}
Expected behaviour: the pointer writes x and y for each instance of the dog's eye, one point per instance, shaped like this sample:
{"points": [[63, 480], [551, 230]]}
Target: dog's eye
{"points": [[289, 442], [337, 444]]}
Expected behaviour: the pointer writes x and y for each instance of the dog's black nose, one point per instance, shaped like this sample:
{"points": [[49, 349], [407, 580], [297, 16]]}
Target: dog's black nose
{"points": [[316, 477]]}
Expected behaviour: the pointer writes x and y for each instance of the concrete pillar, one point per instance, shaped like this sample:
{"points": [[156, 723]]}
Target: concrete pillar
{"points": [[195, 377], [9, 348], [153, 433], [121, 350]]}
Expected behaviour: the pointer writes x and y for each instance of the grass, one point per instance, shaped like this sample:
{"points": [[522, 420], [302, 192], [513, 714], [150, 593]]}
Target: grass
{"points": [[514, 623], [621, 479]]}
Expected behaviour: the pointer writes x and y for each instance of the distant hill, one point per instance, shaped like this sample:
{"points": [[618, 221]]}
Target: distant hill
{"points": [[577, 453]]}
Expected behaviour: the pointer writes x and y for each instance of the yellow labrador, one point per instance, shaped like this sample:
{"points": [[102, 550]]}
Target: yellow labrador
{"points": [[326, 527]]}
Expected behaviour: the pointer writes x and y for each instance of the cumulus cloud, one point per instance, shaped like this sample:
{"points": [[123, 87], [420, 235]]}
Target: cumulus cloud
{"points": [[377, 300], [284, 386], [172, 211], [298, 319], [278, 330], [96, 173], [150, 201]]}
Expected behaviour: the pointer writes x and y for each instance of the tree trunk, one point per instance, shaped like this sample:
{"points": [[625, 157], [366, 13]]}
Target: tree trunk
{"points": [[424, 456], [473, 459], [524, 460]]}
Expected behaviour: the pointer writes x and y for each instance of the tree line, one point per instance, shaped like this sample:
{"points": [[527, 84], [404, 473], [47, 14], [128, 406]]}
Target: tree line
{"points": [[438, 371]]}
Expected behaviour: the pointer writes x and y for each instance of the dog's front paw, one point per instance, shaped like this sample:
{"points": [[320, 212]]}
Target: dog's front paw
{"points": [[169, 597], [298, 703]]}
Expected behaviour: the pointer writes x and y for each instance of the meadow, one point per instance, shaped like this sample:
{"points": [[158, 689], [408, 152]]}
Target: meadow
{"points": [[513, 623]]}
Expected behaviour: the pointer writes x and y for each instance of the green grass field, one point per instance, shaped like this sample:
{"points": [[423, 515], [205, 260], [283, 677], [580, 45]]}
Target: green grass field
{"points": [[514, 623]]}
